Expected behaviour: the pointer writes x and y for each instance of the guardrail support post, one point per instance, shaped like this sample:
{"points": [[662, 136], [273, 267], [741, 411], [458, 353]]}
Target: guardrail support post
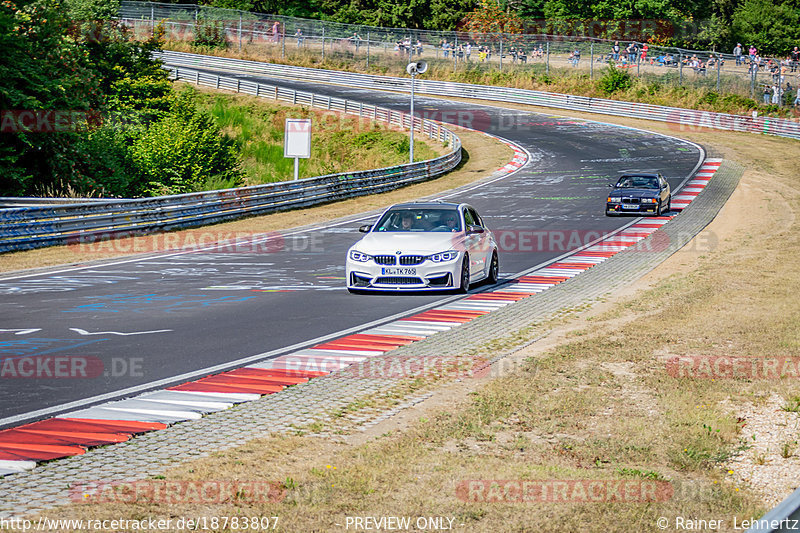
{"points": [[258, 89], [217, 85], [294, 97], [196, 77]]}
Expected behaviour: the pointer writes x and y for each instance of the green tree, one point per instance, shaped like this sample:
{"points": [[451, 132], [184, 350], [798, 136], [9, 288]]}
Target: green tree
{"points": [[773, 27]]}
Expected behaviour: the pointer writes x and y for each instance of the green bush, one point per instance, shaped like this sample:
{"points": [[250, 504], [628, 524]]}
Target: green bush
{"points": [[183, 152], [614, 80]]}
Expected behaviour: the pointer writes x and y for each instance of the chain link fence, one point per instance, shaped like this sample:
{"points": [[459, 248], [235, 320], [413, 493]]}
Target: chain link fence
{"points": [[308, 42]]}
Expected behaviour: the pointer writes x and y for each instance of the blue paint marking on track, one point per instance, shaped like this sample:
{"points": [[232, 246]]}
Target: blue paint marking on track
{"points": [[119, 303], [28, 347]]}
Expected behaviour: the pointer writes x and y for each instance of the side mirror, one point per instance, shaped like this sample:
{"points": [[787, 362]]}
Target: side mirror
{"points": [[610, 185], [474, 229], [365, 228]]}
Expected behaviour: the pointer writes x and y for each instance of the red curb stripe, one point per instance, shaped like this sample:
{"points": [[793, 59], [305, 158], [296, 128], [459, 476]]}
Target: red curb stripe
{"points": [[218, 387], [123, 426], [281, 374], [21, 436], [265, 377], [237, 381], [30, 455], [498, 295], [576, 266], [595, 253], [32, 450]]}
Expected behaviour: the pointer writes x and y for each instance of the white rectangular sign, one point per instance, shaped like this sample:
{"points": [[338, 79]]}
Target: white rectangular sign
{"points": [[297, 138]]}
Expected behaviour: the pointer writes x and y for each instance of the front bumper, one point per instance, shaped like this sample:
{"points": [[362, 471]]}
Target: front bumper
{"points": [[426, 276], [621, 208]]}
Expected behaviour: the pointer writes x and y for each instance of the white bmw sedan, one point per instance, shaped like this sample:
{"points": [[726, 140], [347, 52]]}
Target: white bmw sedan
{"points": [[423, 246]]}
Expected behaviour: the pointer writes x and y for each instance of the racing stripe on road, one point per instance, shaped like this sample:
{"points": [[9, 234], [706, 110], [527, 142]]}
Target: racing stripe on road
{"points": [[72, 433]]}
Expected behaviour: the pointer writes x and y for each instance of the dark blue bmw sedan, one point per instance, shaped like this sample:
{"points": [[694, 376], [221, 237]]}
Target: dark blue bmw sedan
{"points": [[639, 194]]}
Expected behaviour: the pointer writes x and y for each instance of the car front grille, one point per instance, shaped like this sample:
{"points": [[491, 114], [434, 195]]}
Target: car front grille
{"points": [[397, 280], [384, 259], [412, 259], [630, 200]]}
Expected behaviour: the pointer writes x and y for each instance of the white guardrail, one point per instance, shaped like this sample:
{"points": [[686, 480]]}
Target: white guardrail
{"points": [[682, 119], [33, 227]]}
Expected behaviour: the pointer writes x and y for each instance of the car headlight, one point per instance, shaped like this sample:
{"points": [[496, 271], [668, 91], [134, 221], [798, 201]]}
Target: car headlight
{"points": [[444, 256], [649, 201], [614, 199], [355, 255]]}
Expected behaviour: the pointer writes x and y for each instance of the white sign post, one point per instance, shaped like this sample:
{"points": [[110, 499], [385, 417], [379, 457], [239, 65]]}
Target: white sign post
{"points": [[297, 140]]}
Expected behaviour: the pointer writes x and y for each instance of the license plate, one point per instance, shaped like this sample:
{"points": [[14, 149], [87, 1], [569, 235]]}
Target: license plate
{"points": [[399, 271], [630, 206]]}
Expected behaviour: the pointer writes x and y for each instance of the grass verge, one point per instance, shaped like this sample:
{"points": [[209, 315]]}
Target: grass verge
{"points": [[340, 143]]}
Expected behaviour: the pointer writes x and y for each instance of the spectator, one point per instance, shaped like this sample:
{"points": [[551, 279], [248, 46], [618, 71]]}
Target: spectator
{"points": [[777, 91], [446, 49], [615, 50], [276, 26], [767, 94], [737, 54], [467, 51], [300, 37], [795, 59], [575, 57], [797, 97], [631, 51], [645, 48], [355, 40], [753, 51]]}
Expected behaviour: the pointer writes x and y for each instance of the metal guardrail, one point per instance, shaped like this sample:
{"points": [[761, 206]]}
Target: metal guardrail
{"points": [[34, 227], [784, 518], [681, 119]]}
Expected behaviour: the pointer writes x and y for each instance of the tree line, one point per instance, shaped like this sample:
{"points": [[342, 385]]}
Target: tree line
{"points": [[85, 110]]}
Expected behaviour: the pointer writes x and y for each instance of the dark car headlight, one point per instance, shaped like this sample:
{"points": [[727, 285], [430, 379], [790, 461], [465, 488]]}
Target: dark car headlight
{"points": [[355, 255]]}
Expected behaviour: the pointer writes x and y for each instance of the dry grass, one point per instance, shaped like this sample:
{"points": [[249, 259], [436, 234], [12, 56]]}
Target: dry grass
{"points": [[341, 143], [593, 401]]}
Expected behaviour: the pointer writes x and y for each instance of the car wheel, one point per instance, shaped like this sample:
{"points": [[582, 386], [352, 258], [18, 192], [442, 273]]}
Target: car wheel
{"points": [[494, 270], [464, 283], [669, 203], [658, 209]]}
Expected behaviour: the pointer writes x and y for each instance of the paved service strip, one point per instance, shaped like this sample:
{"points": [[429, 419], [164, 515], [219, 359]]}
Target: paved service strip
{"points": [[310, 399], [22, 447]]}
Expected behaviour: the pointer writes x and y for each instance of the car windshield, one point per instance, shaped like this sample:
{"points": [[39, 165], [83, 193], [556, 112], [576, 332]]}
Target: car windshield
{"points": [[420, 220], [637, 182]]}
